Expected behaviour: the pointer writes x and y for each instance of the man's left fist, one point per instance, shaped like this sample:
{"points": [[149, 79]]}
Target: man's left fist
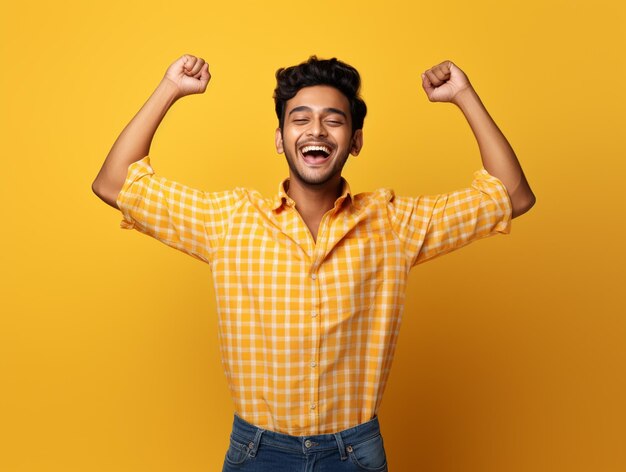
{"points": [[444, 82]]}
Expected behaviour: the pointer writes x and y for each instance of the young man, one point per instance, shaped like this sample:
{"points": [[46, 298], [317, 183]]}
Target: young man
{"points": [[310, 283]]}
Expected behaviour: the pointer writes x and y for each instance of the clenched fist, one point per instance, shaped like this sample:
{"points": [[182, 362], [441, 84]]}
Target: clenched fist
{"points": [[190, 74], [444, 82]]}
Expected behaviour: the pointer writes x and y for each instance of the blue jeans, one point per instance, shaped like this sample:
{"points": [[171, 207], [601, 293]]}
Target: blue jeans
{"points": [[356, 449]]}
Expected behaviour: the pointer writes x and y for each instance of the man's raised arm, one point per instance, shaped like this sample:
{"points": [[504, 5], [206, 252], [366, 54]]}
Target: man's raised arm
{"points": [[187, 75], [447, 83]]}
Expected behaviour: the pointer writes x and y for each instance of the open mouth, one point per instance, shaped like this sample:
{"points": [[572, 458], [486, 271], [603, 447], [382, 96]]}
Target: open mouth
{"points": [[315, 153]]}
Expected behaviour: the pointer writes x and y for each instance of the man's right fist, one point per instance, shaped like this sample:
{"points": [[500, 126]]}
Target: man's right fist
{"points": [[190, 74]]}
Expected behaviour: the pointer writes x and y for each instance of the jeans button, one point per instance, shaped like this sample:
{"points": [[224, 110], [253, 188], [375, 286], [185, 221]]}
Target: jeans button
{"points": [[308, 443]]}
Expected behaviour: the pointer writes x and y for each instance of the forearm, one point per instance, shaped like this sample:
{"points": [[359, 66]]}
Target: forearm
{"points": [[134, 142], [497, 155]]}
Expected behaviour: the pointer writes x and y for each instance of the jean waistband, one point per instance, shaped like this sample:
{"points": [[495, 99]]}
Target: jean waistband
{"points": [[253, 436]]}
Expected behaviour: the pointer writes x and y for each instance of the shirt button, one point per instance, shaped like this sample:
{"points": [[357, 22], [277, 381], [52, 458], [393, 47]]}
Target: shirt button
{"points": [[313, 364], [313, 315], [308, 443], [314, 276], [312, 406]]}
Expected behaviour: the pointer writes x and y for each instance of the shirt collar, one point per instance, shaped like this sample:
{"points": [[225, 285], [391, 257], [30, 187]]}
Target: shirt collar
{"points": [[283, 199]]}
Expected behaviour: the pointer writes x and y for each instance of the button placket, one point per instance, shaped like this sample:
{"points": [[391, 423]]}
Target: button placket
{"points": [[314, 347]]}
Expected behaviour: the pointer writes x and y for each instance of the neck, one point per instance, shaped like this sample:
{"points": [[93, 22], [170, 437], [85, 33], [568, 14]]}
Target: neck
{"points": [[312, 201]]}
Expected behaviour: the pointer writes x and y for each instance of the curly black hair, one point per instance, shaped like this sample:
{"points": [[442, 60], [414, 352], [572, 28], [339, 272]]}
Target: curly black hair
{"points": [[333, 72]]}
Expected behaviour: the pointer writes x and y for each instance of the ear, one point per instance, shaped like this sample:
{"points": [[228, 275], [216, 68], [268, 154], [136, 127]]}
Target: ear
{"points": [[278, 140], [357, 142]]}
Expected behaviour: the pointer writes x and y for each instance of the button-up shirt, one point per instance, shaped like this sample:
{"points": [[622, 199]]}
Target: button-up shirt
{"points": [[308, 329]]}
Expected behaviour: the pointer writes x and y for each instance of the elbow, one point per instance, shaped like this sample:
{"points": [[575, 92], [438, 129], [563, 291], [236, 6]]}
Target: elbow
{"points": [[99, 189], [523, 205], [95, 188], [105, 194]]}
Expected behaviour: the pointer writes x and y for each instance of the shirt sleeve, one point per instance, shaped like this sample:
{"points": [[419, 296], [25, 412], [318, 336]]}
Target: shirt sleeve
{"points": [[433, 225], [190, 220]]}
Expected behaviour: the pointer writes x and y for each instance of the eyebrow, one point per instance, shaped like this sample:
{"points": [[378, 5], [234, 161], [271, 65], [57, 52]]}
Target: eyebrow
{"points": [[327, 110]]}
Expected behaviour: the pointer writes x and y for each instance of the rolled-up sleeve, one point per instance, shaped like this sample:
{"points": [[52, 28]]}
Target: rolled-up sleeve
{"points": [[433, 225], [187, 219]]}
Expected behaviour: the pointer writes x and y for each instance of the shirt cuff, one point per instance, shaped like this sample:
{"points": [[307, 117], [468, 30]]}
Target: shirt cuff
{"points": [[495, 189], [136, 171]]}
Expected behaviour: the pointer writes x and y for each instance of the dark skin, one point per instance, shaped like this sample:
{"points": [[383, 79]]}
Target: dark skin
{"points": [[314, 184], [317, 116]]}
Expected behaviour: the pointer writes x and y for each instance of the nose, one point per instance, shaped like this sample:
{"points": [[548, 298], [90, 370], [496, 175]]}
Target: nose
{"points": [[317, 128]]}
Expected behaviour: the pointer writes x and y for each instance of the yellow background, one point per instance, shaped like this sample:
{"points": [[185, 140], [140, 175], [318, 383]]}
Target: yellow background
{"points": [[108, 354]]}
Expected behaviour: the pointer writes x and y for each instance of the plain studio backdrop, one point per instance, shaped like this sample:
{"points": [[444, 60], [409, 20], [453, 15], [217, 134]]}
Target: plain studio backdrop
{"points": [[512, 351]]}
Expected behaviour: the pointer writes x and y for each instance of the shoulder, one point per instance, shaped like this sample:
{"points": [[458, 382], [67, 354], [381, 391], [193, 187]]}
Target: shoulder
{"points": [[387, 197], [379, 196]]}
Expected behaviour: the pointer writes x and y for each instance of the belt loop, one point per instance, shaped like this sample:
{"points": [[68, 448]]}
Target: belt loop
{"points": [[254, 445], [342, 448]]}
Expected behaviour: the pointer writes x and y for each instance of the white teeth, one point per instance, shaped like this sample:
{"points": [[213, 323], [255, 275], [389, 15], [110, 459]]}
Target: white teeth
{"points": [[315, 148]]}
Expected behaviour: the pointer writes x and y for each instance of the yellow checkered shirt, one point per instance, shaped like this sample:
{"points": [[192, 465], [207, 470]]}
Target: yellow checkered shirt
{"points": [[308, 329]]}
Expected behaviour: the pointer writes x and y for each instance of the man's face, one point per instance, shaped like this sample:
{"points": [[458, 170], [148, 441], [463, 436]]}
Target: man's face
{"points": [[317, 135]]}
